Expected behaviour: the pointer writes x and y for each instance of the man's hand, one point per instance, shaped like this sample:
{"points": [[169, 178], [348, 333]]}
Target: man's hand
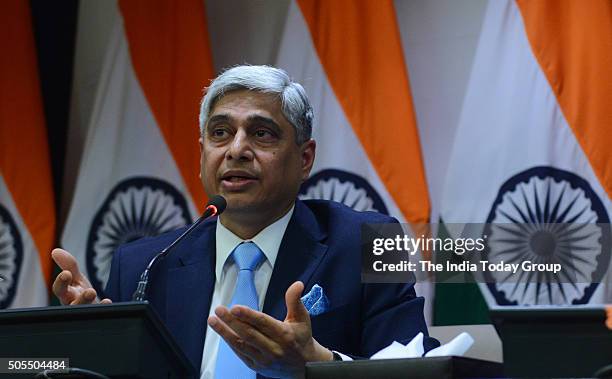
{"points": [[266, 345], [70, 286]]}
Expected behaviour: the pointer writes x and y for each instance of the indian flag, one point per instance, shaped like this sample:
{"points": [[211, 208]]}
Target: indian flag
{"points": [[27, 211], [532, 145], [348, 55], [139, 172]]}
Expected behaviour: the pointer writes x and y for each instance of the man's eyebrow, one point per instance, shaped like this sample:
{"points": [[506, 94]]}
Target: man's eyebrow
{"points": [[257, 119], [218, 118]]}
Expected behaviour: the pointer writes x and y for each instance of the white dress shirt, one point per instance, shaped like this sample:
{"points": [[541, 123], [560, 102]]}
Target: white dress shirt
{"points": [[268, 240]]}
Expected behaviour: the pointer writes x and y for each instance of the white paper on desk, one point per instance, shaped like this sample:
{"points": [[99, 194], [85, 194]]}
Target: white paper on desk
{"points": [[458, 346], [413, 349], [395, 350]]}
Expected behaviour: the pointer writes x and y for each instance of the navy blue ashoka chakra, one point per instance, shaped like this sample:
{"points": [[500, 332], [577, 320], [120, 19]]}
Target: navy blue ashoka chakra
{"points": [[137, 207], [350, 189], [11, 257], [547, 215]]}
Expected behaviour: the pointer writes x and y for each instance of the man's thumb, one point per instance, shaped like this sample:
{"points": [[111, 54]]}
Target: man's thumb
{"points": [[66, 261], [296, 311]]}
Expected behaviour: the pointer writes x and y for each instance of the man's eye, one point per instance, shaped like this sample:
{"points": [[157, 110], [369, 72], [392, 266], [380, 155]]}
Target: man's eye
{"points": [[218, 132], [263, 133]]}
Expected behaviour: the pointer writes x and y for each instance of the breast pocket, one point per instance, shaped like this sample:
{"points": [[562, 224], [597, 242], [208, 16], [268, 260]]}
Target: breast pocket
{"points": [[335, 320]]}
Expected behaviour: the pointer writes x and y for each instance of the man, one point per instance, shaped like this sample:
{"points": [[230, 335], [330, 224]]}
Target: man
{"points": [[263, 251]]}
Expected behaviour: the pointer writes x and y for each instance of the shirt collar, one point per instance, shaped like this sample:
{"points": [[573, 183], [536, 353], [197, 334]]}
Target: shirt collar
{"points": [[268, 240]]}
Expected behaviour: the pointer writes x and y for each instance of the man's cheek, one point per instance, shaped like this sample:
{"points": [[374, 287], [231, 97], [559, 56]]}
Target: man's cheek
{"points": [[208, 181]]}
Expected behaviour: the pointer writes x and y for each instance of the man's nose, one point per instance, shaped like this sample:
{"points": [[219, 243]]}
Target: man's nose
{"points": [[240, 148]]}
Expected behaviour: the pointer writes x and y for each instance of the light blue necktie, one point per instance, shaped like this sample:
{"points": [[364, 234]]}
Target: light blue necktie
{"points": [[247, 257]]}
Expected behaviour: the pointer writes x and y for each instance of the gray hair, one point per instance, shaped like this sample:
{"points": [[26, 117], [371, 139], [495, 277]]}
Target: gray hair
{"points": [[265, 79]]}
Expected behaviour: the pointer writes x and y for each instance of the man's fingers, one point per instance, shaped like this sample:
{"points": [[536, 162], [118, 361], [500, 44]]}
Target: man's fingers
{"points": [[250, 334], [246, 359], [61, 286], [106, 301], [70, 267], [234, 341], [266, 324], [296, 311], [66, 261], [86, 297]]}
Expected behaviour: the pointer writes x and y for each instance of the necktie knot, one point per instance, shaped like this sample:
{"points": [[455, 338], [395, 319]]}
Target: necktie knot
{"points": [[248, 256]]}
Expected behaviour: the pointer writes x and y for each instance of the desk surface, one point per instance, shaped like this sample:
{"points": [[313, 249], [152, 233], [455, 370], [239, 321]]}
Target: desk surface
{"points": [[414, 368]]}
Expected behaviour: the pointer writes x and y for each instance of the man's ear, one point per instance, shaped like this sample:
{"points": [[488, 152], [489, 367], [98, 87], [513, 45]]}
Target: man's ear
{"points": [[201, 144], [308, 156]]}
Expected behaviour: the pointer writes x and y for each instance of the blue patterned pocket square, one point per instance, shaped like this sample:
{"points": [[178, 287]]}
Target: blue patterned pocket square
{"points": [[315, 301]]}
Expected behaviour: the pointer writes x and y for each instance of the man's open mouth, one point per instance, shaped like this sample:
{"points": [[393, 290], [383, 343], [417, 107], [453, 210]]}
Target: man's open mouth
{"points": [[237, 178]]}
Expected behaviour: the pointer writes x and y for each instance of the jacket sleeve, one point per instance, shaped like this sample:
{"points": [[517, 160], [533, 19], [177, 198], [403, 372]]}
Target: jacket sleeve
{"points": [[113, 288], [393, 312]]}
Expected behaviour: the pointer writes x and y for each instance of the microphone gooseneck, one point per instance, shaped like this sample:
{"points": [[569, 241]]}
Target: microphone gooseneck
{"points": [[215, 206]]}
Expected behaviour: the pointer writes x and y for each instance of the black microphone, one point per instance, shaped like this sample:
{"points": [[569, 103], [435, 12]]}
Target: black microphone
{"points": [[215, 206]]}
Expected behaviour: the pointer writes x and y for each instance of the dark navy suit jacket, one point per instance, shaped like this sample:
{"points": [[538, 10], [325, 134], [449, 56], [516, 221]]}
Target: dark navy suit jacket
{"points": [[321, 245]]}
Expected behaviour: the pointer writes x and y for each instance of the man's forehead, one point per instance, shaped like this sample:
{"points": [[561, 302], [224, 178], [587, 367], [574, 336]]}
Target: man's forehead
{"points": [[247, 98], [256, 104]]}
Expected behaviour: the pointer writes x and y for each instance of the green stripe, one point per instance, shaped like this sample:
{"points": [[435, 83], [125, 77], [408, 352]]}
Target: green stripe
{"points": [[458, 303]]}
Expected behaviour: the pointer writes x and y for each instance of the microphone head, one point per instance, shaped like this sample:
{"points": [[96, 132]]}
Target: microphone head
{"points": [[218, 202]]}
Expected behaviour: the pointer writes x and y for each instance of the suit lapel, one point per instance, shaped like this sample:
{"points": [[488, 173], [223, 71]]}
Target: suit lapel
{"points": [[191, 277], [300, 253], [191, 281]]}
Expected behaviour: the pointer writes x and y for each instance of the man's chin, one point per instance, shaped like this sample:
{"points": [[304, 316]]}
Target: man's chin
{"points": [[239, 203]]}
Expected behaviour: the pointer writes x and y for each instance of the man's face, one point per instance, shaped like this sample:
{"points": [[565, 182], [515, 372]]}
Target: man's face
{"points": [[249, 155]]}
